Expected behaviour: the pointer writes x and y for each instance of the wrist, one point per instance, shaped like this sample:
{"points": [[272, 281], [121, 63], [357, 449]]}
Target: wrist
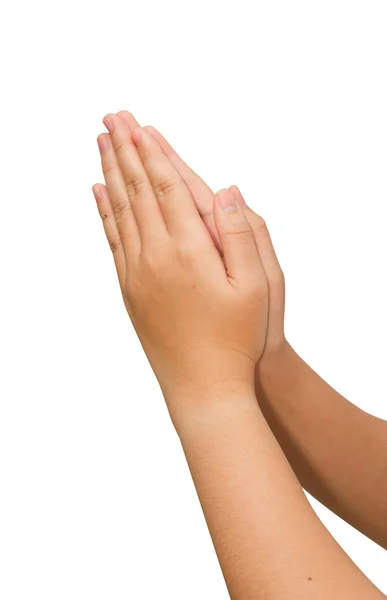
{"points": [[195, 406], [276, 374], [197, 376], [274, 358]]}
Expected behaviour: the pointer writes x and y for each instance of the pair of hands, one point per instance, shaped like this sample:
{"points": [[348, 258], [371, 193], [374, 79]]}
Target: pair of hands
{"points": [[197, 270]]}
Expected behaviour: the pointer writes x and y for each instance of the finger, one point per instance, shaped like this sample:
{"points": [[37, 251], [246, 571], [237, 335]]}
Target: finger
{"points": [[142, 199], [129, 119], [200, 191], [177, 205], [274, 275], [262, 237], [118, 199], [239, 247], [111, 231]]}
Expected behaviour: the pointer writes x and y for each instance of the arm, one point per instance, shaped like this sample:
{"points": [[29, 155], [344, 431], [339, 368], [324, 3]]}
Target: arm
{"points": [[338, 452], [268, 539], [202, 322]]}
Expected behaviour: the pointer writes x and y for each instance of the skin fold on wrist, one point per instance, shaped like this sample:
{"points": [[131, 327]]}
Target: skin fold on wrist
{"points": [[192, 407]]}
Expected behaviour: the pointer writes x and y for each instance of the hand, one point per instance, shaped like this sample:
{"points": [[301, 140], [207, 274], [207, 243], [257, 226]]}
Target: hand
{"points": [[204, 198], [201, 320]]}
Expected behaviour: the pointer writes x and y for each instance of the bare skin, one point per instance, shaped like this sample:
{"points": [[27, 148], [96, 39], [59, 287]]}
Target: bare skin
{"points": [[203, 319], [338, 452]]}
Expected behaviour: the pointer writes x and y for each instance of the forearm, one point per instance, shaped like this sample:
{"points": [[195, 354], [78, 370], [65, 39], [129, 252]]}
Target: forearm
{"points": [[338, 452], [186, 301], [269, 542]]}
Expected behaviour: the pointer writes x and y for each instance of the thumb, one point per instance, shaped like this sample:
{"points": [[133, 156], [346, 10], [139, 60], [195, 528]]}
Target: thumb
{"points": [[262, 237], [239, 248]]}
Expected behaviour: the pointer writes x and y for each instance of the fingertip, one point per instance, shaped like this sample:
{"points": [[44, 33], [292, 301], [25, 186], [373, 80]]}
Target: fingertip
{"points": [[160, 139], [150, 128], [226, 200], [234, 189], [141, 136], [121, 119], [156, 135], [103, 142], [128, 118], [241, 257], [108, 121], [124, 113], [96, 191]]}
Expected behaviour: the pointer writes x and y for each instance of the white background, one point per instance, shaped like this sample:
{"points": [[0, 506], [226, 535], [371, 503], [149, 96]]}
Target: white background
{"points": [[287, 100]]}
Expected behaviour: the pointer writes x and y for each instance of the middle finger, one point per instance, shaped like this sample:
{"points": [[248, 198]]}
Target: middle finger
{"points": [[146, 209]]}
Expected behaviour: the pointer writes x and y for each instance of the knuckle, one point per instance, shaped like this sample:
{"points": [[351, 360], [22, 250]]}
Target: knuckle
{"points": [[120, 209], [131, 287], [115, 245], [118, 146], [134, 185], [241, 236], [149, 128], [163, 187], [165, 146], [149, 266], [260, 223], [107, 168], [186, 253], [155, 259], [277, 278], [257, 290]]}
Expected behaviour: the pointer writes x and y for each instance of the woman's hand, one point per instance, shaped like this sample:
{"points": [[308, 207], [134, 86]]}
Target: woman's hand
{"points": [[204, 198], [201, 316], [201, 320], [304, 412]]}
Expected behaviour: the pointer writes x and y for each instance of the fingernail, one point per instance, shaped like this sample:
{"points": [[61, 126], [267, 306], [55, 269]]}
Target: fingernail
{"points": [[103, 143], [226, 200], [109, 124], [137, 135]]}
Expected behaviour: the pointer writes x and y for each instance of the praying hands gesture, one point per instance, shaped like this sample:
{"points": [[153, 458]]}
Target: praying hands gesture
{"points": [[205, 292]]}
